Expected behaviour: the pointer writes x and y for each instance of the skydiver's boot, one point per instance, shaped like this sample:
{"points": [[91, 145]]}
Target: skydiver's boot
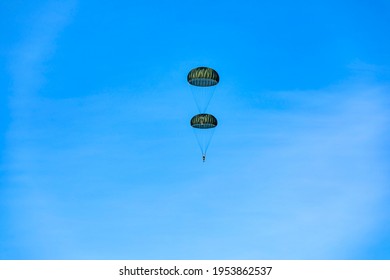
{"points": [[204, 158]]}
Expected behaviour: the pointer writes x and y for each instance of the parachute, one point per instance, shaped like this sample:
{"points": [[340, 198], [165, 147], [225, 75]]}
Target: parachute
{"points": [[203, 77], [204, 126], [202, 81]]}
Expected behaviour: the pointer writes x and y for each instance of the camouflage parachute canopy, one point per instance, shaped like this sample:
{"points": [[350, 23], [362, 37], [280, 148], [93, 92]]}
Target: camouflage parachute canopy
{"points": [[203, 77], [203, 121]]}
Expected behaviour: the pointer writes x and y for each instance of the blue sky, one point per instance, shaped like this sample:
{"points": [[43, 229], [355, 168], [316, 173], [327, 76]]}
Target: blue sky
{"points": [[98, 160]]}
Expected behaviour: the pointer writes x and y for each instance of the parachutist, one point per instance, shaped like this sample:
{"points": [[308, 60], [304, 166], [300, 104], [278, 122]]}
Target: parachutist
{"points": [[204, 125], [203, 80]]}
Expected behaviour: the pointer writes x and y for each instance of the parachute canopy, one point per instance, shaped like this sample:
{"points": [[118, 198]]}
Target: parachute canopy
{"points": [[204, 126], [203, 77], [204, 121]]}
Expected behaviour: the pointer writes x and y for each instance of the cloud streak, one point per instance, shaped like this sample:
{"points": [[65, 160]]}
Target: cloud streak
{"points": [[316, 174], [27, 67], [294, 174]]}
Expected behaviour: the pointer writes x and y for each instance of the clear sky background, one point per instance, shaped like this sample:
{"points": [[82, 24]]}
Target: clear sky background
{"points": [[98, 160]]}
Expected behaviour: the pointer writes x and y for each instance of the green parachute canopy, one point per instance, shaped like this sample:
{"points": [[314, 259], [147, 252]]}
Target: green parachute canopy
{"points": [[203, 77], [204, 121], [204, 126]]}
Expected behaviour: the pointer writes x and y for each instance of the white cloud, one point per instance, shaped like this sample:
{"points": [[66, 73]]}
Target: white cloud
{"points": [[289, 174], [27, 62], [313, 182]]}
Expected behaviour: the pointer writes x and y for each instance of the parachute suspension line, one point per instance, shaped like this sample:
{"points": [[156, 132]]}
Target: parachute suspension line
{"points": [[204, 126], [208, 141], [203, 81], [203, 137], [202, 97], [199, 140]]}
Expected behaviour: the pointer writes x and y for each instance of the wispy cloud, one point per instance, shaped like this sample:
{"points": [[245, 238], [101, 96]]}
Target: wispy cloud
{"points": [[27, 67], [37, 45], [295, 174], [313, 178]]}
